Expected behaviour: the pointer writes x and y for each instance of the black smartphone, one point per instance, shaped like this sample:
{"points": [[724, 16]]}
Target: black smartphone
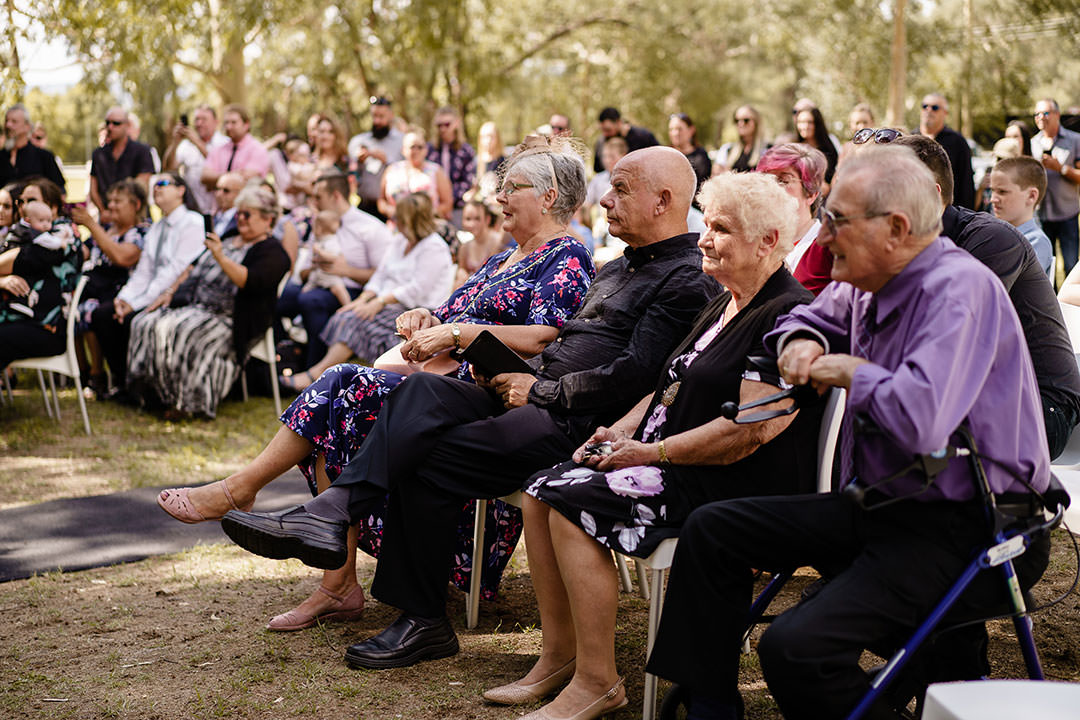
{"points": [[208, 223], [184, 120]]}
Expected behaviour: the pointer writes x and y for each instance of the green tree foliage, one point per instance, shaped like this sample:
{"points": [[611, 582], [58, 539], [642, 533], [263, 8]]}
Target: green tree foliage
{"points": [[515, 63]]}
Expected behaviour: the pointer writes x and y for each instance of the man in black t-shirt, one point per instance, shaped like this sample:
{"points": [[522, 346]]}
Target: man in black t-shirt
{"points": [[20, 158], [612, 124], [120, 158], [932, 116]]}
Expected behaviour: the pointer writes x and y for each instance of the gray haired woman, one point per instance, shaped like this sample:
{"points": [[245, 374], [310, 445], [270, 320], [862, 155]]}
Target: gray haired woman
{"points": [[188, 354]]}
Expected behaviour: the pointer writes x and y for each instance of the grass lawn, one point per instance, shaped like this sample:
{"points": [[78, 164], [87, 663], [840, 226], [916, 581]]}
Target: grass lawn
{"points": [[181, 636]]}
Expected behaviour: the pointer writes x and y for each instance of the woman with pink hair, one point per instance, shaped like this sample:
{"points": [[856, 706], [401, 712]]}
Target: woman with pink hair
{"points": [[800, 170]]}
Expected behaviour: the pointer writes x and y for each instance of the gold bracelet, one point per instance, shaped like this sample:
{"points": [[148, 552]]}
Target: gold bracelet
{"points": [[664, 459], [455, 332]]}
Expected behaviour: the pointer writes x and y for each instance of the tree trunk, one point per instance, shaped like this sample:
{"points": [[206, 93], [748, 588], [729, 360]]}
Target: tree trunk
{"points": [[894, 116]]}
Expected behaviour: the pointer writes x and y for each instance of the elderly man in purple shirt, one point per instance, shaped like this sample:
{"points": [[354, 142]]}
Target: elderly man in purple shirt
{"points": [[925, 339]]}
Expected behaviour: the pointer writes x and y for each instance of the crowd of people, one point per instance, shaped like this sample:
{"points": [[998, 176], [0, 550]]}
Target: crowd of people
{"points": [[858, 265]]}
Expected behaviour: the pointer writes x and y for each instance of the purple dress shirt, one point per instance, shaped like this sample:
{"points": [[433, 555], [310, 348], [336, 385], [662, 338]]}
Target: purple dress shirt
{"points": [[945, 348]]}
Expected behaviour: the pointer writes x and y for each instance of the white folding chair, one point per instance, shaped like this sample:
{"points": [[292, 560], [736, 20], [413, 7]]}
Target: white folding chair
{"points": [[65, 363], [1070, 456], [266, 351], [479, 555], [661, 558]]}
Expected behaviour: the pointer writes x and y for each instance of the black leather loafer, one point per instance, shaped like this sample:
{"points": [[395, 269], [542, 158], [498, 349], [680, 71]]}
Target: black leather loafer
{"points": [[294, 533], [407, 641]]}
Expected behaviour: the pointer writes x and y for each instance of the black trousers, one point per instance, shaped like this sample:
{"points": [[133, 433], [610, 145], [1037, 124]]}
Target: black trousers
{"points": [[1060, 422], [26, 339], [113, 336], [438, 442], [898, 562]]}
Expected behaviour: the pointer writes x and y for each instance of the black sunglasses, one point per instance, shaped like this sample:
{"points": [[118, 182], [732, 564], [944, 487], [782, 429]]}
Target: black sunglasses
{"points": [[931, 106], [879, 135]]}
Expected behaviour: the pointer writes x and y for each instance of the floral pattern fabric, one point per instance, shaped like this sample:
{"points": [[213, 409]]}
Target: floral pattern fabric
{"points": [[336, 412]]}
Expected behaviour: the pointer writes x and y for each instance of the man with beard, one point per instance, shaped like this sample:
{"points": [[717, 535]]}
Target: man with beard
{"points": [[372, 151]]}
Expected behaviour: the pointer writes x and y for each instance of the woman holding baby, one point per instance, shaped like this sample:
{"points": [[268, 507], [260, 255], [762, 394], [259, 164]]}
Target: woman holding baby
{"points": [[37, 276]]}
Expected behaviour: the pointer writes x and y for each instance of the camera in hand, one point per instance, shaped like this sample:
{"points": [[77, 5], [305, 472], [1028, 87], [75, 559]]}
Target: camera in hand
{"points": [[599, 449]]}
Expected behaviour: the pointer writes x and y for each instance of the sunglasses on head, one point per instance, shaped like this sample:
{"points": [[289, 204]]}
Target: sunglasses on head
{"points": [[879, 135]]}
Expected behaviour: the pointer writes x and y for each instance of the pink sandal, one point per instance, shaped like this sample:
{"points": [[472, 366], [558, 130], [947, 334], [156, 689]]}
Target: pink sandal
{"points": [[349, 608], [177, 503]]}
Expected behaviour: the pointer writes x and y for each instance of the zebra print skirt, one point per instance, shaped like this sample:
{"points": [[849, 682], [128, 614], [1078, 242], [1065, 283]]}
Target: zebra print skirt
{"points": [[185, 355]]}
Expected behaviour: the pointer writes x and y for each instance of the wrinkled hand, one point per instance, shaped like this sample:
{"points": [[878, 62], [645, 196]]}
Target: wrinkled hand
{"points": [[834, 370], [513, 388], [794, 362], [410, 321], [425, 343], [121, 309], [601, 434], [15, 285]]}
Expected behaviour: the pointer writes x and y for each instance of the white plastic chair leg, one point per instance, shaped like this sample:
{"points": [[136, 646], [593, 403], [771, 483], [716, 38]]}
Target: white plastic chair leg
{"points": [[642, 578], [625, 584], [44, 394], [472, 602], [55, 399], [648, 710], [82, 405]]}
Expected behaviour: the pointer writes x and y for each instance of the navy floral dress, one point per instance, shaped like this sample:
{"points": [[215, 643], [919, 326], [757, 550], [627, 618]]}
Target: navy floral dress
{"points": [[336, 412]]}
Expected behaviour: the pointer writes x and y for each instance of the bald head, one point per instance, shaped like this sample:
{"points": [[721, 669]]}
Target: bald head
{"points": [[650, 196]]}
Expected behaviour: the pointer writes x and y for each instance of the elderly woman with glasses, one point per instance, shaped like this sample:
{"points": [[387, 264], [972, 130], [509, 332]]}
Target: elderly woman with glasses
{"points": [[669, 455], [189, 351], [521, 295], [800, 170]]}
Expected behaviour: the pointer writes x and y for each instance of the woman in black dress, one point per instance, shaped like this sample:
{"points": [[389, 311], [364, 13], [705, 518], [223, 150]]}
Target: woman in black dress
{"points": [[680, 456]]}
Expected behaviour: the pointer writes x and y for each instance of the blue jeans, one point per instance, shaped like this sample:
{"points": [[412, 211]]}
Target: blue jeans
{"points": [[315, 308], [1067, 233]]}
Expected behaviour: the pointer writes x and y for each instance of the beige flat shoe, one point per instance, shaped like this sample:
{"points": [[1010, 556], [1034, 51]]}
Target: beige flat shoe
{"points": [[518, 693], [348, 607], [609, 702], [176, 502]]}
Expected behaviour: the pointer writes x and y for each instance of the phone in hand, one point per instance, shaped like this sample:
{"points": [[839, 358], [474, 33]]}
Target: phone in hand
{"points": [[208, 223], [184, 120]]}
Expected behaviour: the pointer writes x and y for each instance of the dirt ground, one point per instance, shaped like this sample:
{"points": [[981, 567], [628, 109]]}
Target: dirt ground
{"points": [[181, 636]]}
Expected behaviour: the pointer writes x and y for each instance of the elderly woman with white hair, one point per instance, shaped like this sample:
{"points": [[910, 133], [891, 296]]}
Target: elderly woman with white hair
{"points": [[190, 353], [670, 454]]}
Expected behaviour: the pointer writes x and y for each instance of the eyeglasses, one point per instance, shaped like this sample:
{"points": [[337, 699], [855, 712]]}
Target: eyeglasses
{"points": [[114, 122], [744, 121], [443, 124], [1043, 114], [225, 190], [560, 128], [244, 214], [510, 187], [833, 222], [880, 136], [931, 106], [164, 183]]}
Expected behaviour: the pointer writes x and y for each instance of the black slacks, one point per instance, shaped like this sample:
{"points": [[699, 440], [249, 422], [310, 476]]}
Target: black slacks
{"points": [[898, 562], [26, 339], [113, 337], [439, 441]]}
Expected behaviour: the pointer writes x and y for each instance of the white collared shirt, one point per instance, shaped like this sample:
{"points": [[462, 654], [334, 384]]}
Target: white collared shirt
{"points": [[172, 243]]}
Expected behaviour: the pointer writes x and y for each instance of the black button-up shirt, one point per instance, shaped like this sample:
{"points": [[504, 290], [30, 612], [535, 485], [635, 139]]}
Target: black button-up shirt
{"points": [[609, 355]]}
